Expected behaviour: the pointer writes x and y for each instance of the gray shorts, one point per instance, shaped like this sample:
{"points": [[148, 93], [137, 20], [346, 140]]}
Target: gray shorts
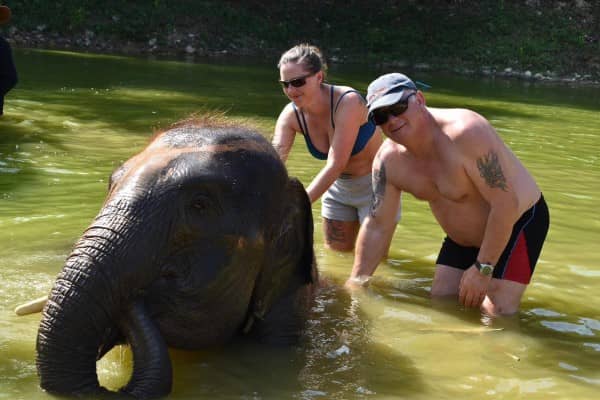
{"points": [[349, 199]]}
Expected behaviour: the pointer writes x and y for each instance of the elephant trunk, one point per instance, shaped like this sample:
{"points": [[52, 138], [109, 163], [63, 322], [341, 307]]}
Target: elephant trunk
{"points": [[87, 307], [70, 332], [153, 375]]}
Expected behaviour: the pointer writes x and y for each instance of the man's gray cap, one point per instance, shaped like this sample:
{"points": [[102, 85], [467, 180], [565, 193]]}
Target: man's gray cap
{"points": [[388, 89]]}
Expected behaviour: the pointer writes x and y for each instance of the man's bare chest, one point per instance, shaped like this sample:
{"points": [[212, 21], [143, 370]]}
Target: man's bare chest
{"points": [[449, 182]]}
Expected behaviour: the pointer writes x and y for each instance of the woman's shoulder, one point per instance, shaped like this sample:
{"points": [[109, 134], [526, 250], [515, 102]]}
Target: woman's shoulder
{"points": [[347, 95], [287, 112], [346, 90]]}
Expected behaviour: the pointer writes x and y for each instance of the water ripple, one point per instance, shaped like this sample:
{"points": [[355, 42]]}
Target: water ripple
{"points": [[62, 171], [310, 394], [522, 386], [406, 316], [542, 312], [568, 327], [21, 220], [586, 380], [595, 346], [578, 196], [591, 323], [583, 271], [568, 367]]}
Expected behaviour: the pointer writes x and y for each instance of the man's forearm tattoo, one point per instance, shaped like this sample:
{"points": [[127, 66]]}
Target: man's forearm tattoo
{"points": [[379, 182], [490, 170]]}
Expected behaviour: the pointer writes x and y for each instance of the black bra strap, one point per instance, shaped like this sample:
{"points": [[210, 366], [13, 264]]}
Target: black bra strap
{"points": [[334, 110], [298, 118]]}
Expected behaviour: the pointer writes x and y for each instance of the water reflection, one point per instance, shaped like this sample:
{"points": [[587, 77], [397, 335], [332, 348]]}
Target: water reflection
{"points": [[343, 357], [74, 118]]}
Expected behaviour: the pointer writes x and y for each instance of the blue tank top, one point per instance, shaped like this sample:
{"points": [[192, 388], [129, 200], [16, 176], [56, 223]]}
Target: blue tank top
{"points": [[365, 132]]}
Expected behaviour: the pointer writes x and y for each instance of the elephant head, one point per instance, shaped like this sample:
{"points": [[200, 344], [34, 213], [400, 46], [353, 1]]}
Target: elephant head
{"points": [[202, 237]]}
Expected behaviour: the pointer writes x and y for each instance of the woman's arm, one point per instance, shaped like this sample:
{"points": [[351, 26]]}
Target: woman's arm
{"points": [[285, 132], [348, 118]]}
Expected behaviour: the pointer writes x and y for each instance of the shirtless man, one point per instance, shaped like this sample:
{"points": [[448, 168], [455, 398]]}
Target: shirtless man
{"points": [[484, 199]]}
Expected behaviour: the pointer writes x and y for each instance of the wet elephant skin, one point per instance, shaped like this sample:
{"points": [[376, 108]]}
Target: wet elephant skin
{"points": [[202, 237]]}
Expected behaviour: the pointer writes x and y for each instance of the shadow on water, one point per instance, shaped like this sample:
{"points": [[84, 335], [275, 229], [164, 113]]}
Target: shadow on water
{"points": [[571, 337], [60, 92], [121, 89], [16, 167], [335, 360], [344, 361], [126, 92]]}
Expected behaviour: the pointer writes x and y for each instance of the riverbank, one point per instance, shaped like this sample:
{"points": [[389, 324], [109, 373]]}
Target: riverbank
{"points": [[183, 45], [550, 41]]}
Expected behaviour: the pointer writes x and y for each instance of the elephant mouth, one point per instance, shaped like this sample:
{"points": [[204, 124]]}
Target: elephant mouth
{"points": [[201, 324], [188, 303]]}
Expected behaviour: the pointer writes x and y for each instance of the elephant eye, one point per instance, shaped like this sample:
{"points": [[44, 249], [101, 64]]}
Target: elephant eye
{"points": [[201, 203], [205, 204], [169, 275]]}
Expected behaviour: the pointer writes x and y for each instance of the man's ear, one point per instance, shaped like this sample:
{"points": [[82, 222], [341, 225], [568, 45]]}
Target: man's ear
{"points": [[420, 98]]}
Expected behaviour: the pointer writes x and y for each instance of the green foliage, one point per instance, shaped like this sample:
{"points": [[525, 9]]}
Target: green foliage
{"points": [[536, 35]]}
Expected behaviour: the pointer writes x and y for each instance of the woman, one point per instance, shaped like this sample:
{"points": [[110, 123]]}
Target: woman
{"points": [[336, 128]]}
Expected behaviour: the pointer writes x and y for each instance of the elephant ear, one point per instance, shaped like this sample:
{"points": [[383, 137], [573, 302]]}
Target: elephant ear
{"points": [[284, 287]]}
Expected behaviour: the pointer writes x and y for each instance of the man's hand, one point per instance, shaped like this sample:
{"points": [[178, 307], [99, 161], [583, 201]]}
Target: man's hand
{"points": [[473, 287]]}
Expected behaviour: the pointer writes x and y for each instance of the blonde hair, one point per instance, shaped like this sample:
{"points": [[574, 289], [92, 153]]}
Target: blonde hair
{"points": [[309, 56]]}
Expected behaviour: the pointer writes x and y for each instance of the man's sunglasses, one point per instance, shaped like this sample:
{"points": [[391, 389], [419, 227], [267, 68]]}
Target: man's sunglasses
{"points": [[296, 82], [381, 115]]}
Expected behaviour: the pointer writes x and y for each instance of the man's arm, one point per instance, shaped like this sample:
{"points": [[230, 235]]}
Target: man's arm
{"points": [[490, 170], [498, 190], [378, 227]]}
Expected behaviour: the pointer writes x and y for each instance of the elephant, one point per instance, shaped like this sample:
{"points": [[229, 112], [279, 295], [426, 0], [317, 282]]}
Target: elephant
{"points": [[203, 237]]}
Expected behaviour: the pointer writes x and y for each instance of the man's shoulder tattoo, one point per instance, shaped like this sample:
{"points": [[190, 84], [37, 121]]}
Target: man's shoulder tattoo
{"points": [[490, 170], [379, 182]]}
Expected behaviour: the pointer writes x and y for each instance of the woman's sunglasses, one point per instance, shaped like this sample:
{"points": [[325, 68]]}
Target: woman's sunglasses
{"points": [[381, 115], [296, 82]]}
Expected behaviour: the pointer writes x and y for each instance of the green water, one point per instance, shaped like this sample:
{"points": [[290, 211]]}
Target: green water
{"points": [[74, 118]]}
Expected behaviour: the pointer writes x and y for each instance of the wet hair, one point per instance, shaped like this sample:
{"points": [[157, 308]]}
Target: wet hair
{"points": [[310, 57]]}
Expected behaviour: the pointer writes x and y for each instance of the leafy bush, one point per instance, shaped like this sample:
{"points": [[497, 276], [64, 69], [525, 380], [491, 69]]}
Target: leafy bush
{"points": [[532, 34]]}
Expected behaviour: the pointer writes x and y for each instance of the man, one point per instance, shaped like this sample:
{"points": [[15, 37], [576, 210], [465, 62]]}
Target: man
{"points": [[8, 72], [484, 199]]}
